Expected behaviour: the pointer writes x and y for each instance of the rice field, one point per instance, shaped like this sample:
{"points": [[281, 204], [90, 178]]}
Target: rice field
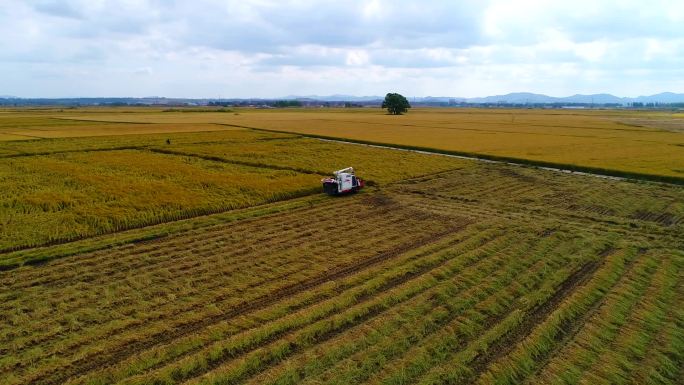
{"points": [[120, 184], [437, 279], [637, 143], [41, 124], [213, 258], [63, 197]]}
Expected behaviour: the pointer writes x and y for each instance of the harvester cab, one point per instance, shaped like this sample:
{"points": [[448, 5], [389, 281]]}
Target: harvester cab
{"points": [[343, 182]]}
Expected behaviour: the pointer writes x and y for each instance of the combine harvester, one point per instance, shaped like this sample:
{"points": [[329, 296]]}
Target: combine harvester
{"points": [[344, 182]]}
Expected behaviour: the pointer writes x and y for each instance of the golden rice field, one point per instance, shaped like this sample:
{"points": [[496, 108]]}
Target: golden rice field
{"points": [[69, 196], [27, 125], [619, 142], [127, 182], [212, 257]]}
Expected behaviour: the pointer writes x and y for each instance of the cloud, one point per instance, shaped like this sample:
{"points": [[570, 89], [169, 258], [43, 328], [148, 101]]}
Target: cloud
{"points": [[268, 48], [57, 8]]}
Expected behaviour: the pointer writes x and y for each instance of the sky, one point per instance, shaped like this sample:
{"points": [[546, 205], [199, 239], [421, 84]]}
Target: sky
{"points": [[261, 48]]}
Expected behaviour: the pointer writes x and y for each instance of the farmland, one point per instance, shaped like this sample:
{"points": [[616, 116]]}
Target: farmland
{"points": [[210, 257], [622, 143], [69, 195]]}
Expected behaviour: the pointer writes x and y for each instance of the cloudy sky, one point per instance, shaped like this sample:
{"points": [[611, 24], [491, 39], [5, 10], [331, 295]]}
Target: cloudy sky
{"points": [[261, 48]]}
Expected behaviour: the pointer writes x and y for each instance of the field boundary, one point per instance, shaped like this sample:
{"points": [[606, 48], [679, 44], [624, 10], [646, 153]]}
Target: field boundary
{"points": [[231, 161], [44, 153], [550, 166], [100, 121]]}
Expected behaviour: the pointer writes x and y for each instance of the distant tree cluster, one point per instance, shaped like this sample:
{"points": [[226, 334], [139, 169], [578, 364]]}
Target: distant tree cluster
{"points": [[395, 104], [219, 104], [287, 103], [352, 105], [655, 105]]}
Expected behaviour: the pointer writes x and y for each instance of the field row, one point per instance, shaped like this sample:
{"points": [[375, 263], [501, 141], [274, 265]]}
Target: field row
{"points": [[186, 267], [646, 207], [634, 336], [506, 251]]}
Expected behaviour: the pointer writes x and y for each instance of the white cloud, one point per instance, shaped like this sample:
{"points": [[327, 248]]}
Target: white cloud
{"points": [[357, 57], [244, 48], [373, 9]]}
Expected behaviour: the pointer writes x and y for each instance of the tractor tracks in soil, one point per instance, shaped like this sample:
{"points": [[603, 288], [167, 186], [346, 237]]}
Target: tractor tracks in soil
{"points": [[92, 362], [570, 329], [504, 345]]}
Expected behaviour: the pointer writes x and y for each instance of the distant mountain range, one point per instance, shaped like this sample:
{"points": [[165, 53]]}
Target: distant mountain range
{"points": [[513, 98], [525, 98]]}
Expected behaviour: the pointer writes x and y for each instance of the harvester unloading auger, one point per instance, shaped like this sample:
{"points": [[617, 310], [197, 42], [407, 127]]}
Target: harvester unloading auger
{"points": [[343, 182]]}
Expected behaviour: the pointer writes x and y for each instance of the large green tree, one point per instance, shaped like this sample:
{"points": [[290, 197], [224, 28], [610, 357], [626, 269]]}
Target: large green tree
{"points": [[396, 104]]}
